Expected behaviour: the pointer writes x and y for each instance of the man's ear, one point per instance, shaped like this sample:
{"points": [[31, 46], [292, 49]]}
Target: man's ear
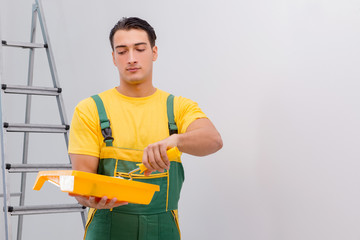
{"points": [[113, 56], [155, 53]]}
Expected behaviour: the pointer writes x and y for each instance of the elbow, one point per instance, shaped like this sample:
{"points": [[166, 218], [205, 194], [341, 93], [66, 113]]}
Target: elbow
{"points": [[221, 144], [214, 145], [218, 143]]}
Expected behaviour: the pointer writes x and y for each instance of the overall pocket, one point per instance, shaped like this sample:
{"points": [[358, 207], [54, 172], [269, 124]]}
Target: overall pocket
{"points": [[160, 199]]}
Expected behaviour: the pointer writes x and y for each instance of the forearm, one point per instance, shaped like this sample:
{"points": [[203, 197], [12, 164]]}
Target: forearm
{"points": [[200, 141]]}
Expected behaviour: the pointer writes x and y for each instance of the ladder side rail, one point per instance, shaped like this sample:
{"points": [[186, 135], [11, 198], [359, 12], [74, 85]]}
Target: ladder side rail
{"points": [[53, 70], [27, 120], [47, 42], [6, 189], [84, 214], [52, 65], [8, 203]]}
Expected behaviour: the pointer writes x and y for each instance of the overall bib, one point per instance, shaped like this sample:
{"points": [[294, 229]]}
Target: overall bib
{"points": [[156, 221]]}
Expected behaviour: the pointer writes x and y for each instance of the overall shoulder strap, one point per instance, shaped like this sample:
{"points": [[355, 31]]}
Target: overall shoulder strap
{"points": [[170, 113], [104, 121]]}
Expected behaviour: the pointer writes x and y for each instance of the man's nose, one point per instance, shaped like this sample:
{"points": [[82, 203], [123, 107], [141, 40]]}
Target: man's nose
{"points": [[132, 58]]}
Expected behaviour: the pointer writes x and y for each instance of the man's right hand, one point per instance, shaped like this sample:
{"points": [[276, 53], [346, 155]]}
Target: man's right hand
{"points": [[98, 203]]}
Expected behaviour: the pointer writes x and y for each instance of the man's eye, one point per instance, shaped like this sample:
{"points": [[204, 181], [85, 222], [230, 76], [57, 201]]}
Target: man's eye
{"points": [[122, 52], [140, 50]]}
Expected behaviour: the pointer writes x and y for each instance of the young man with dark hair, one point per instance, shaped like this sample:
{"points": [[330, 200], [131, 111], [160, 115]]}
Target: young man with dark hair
{"points": [[131, 123]]}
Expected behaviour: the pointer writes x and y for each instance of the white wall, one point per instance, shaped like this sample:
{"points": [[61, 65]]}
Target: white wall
{"points": [[280, 80]]}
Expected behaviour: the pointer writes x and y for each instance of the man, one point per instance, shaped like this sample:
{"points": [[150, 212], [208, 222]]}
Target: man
{"points": [[132, 123]]}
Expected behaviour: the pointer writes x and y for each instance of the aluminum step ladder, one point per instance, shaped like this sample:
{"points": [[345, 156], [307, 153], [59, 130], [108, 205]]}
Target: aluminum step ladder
{"points": [[27, 128]]}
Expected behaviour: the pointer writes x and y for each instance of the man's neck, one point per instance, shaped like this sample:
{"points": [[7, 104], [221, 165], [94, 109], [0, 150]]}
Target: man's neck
{"points": [[136, 90]]}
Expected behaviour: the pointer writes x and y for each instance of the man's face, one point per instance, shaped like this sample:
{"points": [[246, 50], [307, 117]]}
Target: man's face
{"points": [[133, 56]]}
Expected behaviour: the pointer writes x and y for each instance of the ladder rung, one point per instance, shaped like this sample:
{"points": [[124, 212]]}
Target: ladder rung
{"points": [[31, 90], [44, 209], [23, 44], [17, 168], [35, 128]]}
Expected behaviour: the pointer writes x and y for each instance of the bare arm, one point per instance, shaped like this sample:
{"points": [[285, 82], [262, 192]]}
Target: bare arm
{"points": [[201, 138], [90, 164], [84, 163]]}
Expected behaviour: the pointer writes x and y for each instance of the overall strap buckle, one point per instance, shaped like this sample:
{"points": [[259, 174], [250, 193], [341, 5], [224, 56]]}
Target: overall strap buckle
{"points": [[107, 134], [173, 129]]}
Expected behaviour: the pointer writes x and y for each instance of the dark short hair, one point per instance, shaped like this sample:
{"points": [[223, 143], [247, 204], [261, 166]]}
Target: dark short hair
{"points": [[133, 23]]}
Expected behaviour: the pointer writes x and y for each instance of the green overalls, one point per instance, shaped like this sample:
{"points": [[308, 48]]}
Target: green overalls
{"points": [[156, 221]]}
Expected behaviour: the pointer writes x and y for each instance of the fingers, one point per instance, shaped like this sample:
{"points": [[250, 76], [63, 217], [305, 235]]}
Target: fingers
{"points": [[164, 157], [99, 203], [118, 204], [145, 161], [155, 158], [148, 172]]}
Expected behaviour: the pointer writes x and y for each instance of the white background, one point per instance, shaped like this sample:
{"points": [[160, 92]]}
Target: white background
{"points": [[279, 79]]}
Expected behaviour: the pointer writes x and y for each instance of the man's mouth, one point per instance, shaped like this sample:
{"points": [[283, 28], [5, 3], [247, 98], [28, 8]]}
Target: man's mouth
{"points": [[132, 69]]}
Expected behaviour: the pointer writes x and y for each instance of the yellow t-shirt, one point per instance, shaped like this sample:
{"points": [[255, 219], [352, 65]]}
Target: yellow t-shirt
{"points": [[135, 122]]}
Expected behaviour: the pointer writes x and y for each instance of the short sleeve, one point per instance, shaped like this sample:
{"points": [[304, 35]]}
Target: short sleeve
{"points": [[186, 111], [85, 130]]}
